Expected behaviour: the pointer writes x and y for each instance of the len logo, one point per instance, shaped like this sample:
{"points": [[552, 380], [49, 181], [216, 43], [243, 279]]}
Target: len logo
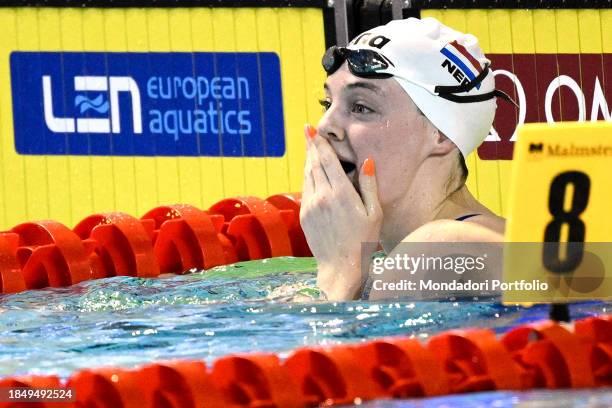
{"points": [[112, 85]]}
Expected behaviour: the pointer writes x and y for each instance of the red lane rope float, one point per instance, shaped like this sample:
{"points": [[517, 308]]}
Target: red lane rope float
{"points": [[11, 279], [599, 331], [186, 237], [257, 380], [107, 388], [122, 243], [330, 376], [179, 384], [256, 227], [167, 239], [552, 356], [454, 361], [402, 368], [289, 206], [50, 254], [475, 361]]}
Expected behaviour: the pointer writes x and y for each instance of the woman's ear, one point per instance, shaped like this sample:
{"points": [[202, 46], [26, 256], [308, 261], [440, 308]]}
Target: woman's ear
{"points": [[442, 145]]}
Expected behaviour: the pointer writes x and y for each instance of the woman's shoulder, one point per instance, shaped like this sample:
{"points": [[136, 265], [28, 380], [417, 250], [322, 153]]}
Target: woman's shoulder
{"points": [[481, 228]]}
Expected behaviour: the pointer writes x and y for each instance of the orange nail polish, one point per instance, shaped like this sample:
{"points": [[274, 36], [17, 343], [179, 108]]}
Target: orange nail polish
{"points": [[311, 131], [369, 168]]}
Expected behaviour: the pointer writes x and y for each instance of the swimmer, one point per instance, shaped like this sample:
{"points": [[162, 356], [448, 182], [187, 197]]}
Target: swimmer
{"points": [[404, 104]]}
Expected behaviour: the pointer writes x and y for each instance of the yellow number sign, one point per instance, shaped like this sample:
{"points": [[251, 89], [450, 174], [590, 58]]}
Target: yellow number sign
{"points": [[559, 229]]}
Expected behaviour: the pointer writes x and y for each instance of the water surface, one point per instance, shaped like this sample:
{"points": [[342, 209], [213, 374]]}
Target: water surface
{"points": [[268, 305]]}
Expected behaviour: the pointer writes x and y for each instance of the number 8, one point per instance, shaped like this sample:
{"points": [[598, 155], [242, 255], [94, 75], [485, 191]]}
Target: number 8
{"points": [[552, 234]]}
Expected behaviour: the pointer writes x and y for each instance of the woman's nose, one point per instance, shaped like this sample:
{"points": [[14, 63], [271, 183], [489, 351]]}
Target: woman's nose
{"points": [[329, 127]]}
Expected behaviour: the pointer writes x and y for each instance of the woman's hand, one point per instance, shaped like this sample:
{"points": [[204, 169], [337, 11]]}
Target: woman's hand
{"points": [[336, 220]]}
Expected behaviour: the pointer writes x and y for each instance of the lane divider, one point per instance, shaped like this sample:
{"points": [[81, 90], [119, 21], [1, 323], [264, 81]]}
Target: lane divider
{"points": [[599, 331], [50, 254], [255, 226], [551, 356], [403, 368], [329, 376], [167, 239], [186, 237], [474, 360], [538, 355], [257, 380], [122, 244]]}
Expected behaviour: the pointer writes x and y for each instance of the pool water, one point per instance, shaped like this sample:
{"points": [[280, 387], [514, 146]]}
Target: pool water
{"points": [[269, 305]]}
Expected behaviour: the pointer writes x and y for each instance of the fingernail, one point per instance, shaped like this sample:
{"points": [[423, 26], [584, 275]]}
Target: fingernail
{"points": [[369, 168], [310, 131]]}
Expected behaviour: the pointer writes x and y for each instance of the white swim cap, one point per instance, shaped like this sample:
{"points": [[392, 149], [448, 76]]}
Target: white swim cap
{"points": [[428, 53]]}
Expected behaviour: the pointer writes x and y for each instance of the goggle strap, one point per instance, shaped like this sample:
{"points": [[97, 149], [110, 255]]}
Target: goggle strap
{"points": [[505, 97], [444, 89], [479, 97]]}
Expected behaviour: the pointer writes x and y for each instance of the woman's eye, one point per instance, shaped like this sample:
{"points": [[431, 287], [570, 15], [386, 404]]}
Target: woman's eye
{"points": [[325, 104], [359, 108]]}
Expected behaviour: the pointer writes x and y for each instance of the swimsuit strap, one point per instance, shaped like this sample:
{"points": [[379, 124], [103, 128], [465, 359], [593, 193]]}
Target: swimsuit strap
{"points": [[465, 217]]}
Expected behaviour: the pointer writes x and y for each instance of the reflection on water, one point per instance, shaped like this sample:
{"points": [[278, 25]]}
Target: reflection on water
{"points": [[266, 305]]}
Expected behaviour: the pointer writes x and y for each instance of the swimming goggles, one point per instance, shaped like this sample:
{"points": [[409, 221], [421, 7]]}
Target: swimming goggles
{"points": [[368, 63]]}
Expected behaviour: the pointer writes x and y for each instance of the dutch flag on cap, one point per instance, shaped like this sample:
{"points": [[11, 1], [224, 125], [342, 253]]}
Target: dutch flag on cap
{"points": [[462, 59]]}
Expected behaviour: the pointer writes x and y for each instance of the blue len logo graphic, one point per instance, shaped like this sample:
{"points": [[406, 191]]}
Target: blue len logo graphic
{"points": [[97, 104], [147, 104]]}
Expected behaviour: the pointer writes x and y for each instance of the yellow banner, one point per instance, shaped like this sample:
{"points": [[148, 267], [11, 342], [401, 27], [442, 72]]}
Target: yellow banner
{"points": [[560, 210]]}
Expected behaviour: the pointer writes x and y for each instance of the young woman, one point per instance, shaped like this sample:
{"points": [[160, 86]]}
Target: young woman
{"points": [[405, 104]]}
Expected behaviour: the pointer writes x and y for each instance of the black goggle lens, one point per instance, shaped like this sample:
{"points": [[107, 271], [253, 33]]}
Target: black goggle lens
{"points": [[332, 60], [361, 62]]}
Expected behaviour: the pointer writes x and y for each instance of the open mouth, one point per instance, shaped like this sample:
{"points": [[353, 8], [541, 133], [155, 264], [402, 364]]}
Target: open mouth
{"points": [[347, 166]]}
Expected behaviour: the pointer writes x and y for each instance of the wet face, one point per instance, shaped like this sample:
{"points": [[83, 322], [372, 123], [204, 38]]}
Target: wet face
{"points": [[375, 117]]}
